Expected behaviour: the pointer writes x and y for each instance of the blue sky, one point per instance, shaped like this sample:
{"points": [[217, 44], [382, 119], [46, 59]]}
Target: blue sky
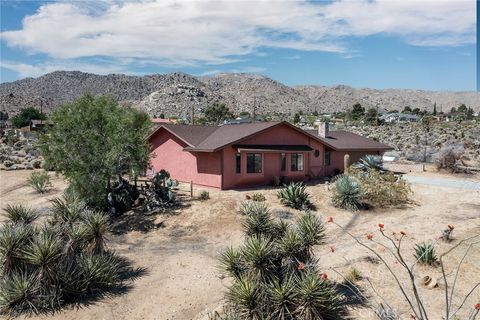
{"points": [[379, 44]]}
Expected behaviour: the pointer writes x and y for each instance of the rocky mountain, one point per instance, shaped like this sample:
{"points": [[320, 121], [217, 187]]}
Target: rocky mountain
{"points": [[175, 94]]}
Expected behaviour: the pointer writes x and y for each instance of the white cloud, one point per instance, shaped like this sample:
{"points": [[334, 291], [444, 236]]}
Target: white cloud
{"points": [[30, 70], [192, 33]]}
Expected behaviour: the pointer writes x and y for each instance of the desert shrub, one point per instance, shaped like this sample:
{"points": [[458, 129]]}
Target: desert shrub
{"points": [[353, 275], [40, 181], [257, 196], [425, 253], [37, 164], [8, 163], [295, 196], [447, 157], [204, 195], [368, 162], [275, 277], [383, 190], [42, 269], [347, 193], [19, 214]]}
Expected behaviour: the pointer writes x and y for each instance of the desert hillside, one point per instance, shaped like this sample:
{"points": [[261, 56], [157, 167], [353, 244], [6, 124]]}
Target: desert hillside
{"points": [[174, 94]]}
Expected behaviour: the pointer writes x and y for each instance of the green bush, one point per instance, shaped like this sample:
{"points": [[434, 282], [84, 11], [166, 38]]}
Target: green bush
{"points": [[42, 269], [295, 196], [40, 181], [347, 193], [204, 195], [274, 273], [249, 207], [425, 254], [8, 163], [25, 115]]}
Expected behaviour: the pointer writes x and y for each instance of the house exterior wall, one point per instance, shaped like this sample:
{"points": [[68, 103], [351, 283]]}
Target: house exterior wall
{"points": [[218, 169], [201, 168]]}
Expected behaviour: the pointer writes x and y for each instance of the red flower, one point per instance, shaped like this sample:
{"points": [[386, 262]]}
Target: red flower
{"points": [[369, 236], [381, 225], [451, 227], [330, 219], [477, 306], [332, 248], [403, 233], [301, 266], [324, 276]]}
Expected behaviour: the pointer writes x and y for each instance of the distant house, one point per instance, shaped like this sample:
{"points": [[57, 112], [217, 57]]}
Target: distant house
{"points": [[399, 117], [253, 154], [36, 124], [161, 120]]}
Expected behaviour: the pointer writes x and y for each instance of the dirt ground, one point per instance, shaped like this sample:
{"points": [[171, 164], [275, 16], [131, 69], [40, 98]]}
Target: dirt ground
{"points": [[179, 251]]}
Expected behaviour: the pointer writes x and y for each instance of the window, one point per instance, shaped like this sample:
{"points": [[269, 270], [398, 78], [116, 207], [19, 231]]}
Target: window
{"points": [[238, 163], [316, 153], [254, 162], [327, 158], [297, 162], [283, 162]]}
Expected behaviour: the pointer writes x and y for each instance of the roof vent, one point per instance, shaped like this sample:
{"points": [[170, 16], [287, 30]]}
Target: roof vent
{"points": [[323, 129]]}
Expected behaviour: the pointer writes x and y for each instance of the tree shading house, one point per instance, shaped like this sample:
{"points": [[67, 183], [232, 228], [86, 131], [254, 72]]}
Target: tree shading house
{"points": [[254, 154]]}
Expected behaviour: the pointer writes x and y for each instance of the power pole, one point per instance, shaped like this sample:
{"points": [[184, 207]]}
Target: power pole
{"points": [[253, 111], [193, 114]]}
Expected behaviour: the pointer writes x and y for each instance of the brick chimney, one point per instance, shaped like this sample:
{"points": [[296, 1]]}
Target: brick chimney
{"points": [[323, 129]]}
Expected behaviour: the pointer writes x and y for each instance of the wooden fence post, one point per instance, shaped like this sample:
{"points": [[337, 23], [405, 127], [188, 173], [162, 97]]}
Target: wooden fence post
{"points": [[191, 189]]}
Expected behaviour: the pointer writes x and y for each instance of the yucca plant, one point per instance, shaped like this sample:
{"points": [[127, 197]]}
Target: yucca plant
{"points": [[67, 209], [18, 294], [368, 162], [40, 181], [13, 238], [295, 196], [231, 261], [282, 296], [100, 271], [347, 193], [259, 255], [19, 214], [353, 276], [311, 230], [43, 253], [425, 254], [248, 207], [258, 223], [275, 274], [95, 226], [245, 295], [317, 298]]}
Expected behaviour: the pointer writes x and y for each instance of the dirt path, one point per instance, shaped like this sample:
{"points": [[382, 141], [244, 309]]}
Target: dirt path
{"points": [[464, 184]]}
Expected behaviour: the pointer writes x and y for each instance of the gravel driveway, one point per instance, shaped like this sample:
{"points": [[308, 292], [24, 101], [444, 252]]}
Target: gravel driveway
{"points": [[449, 183]]}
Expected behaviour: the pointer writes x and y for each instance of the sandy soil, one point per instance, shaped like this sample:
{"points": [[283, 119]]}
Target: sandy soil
{"points": [[179, 252]]}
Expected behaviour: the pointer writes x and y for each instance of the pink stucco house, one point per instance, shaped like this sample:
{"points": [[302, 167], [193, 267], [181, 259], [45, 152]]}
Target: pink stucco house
{"points": [[253, 154]]}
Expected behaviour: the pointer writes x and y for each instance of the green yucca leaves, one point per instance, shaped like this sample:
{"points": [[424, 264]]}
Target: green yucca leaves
{"points": [[231, 262], [13, 238], [95, 229], [19, 214], [40, 181], [294, 196], [347, 193], [369, 161], [259, 255], [67, 209], [244, 294], [249, 207], [317, 298], [311, 230], [291, 246], [425, 253], [18, 294], [282, 298], [258, 223], [100, 270]]}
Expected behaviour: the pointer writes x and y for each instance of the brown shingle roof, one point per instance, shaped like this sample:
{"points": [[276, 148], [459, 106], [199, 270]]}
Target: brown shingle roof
{"points": [[209, 138], [344, 140]]}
